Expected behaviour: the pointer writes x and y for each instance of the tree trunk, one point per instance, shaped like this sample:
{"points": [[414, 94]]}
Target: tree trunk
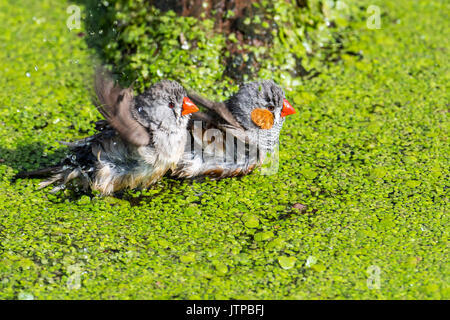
{"points": [[230, 16], [215, 9]]}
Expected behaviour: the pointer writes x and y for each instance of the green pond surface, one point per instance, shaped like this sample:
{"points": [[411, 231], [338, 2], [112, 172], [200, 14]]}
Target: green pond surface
{"points": [[367, 153]]}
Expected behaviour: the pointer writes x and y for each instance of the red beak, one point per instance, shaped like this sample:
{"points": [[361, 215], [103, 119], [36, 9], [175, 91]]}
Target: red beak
{"points": [[188, 107], [287, 109]]}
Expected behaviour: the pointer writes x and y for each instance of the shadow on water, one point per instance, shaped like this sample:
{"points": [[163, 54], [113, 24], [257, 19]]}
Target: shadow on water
{"points": [[31, 156]]}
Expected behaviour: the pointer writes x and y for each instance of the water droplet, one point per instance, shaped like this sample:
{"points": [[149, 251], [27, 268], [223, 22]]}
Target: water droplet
{"points": [[28, 74], [25, 296], [36, 68], [140, 109]]}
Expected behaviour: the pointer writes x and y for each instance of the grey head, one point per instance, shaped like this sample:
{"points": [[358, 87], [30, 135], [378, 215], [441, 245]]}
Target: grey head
{"points": [[164, 106], [258, 107]]}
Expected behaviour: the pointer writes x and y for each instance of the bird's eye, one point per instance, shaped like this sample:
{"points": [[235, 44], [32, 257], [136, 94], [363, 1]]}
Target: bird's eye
{"points": [[171, 105], [271, 108]]}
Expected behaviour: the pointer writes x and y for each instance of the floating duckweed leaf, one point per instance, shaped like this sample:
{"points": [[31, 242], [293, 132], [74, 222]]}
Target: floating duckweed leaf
{"points": [[287, 262], [379, 173], [188, 257], [431, 288], [222, 269], [318, 267], [387, 223], [413, 261], [263, 236], [84, 200], [163, 243], [250, 220], [436, 172], [412, 183], [309, 173], [304, 98], [410, 159], [275, 244]]}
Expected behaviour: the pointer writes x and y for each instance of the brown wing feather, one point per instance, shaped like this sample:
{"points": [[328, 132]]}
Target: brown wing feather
{"points": [[201, 116], [115, 105], [219, 107]]}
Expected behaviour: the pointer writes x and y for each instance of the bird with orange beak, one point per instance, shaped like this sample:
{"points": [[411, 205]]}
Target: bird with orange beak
{"points": [[253, 116], [140, 139]]}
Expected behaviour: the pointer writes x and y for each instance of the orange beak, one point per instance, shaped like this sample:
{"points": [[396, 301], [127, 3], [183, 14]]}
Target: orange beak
{"points": [[287, 109], [188, 107]]}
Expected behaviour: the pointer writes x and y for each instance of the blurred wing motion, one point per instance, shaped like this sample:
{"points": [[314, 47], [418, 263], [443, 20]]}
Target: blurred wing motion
{"points": [[115, 105]]}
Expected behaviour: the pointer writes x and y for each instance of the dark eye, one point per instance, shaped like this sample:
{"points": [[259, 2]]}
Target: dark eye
{"points": [[271, 108], [171, 105]]}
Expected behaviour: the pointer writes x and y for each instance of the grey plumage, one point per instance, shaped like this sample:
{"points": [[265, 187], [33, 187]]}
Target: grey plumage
{"points": [[140, 140], [257, 108], [254, 95]]}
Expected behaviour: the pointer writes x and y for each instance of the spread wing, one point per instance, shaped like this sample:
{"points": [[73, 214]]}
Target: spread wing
{"points": [[115, 105], [218, 107]]}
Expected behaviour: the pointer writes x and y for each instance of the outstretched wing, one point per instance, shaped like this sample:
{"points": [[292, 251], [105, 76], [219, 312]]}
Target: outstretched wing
{"points": [[115, 105]]}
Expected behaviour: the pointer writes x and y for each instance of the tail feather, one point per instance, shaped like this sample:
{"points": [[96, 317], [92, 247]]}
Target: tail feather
{"points": [[39, 173], [55, 178], [59, 175]]}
